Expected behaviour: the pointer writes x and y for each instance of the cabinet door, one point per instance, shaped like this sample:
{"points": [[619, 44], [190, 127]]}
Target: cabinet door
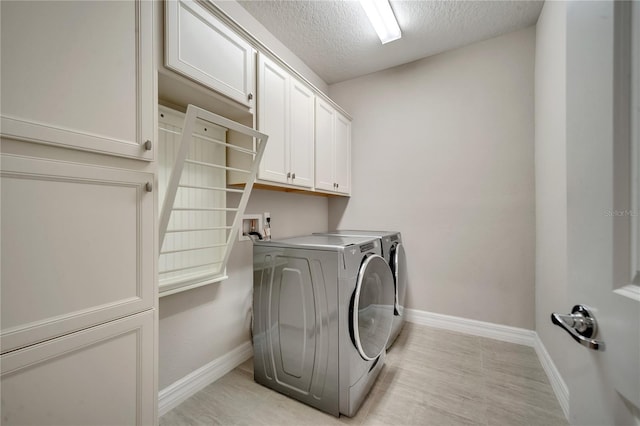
{"points": [[79, 74], [325, 116], [77, 247], [273, 107], [99, 376], [342, 154], [301, 121], [201, 47]]}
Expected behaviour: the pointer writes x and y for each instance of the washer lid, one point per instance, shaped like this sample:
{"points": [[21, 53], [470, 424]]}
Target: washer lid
{"points": [[372, 307], [321, 242]]}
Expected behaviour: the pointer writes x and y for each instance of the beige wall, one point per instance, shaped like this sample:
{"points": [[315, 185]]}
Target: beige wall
{"points": [[551, 177], [443, 151]]}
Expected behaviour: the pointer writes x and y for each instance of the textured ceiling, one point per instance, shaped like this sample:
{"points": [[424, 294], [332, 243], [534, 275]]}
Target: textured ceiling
{"points": [[336, 40]]}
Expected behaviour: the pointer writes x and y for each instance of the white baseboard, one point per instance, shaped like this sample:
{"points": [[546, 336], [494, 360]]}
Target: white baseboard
{"points": [[557, 383], [179, 391], [503, 333], [490, 330]]}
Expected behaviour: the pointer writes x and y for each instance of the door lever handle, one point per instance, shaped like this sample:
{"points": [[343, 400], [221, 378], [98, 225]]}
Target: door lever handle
{"points": [[581, 326]]}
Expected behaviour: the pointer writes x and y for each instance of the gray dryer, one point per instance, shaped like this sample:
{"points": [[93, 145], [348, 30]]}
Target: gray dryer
{"points": [[323, 312], [394, 254]]}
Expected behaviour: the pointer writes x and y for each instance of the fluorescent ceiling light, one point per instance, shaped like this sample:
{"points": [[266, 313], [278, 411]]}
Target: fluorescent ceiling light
{"points": [[382, 19]]}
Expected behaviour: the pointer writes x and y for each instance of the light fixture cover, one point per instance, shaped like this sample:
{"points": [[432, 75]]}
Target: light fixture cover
{"points": [[381, 16]]}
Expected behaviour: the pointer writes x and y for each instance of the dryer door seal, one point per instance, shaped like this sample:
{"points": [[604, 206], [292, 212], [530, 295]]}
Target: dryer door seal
{"points": [[399, 269], [373, 305]]}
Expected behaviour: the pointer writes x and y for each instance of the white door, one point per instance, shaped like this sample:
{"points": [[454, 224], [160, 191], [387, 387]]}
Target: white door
{"points": [[273, 107], [103, 375], [325, 134], [602, 213], [79, 75], [301, 121], [79, 243], [204, 49]]}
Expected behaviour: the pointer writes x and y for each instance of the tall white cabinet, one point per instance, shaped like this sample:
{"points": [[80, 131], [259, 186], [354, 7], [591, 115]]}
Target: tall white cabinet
{"points": [[78, 278], [286, 114]]}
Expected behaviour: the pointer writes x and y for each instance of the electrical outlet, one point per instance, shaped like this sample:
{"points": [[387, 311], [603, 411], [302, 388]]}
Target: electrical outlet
{"points": [[267, 225]]}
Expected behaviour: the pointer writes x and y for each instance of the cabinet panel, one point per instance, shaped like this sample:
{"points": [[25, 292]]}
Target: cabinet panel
{"points": [[301, 139], [79, 74], [201, 47], [333, 150], [102, 375], [273, 107], [77, 244], [325, 116], [343, 154], [286, 114]]}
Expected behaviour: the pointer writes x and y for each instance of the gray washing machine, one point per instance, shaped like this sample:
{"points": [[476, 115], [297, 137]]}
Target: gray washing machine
{"points": [[323, 311], [393, 253]]}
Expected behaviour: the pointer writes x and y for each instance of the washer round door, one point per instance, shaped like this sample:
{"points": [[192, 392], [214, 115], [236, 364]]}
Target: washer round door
{"points": [[372, 310], [399, 269]]}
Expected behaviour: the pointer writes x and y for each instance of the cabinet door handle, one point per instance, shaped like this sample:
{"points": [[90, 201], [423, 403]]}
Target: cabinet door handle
{"points": [[250, 96], [147, 145], [293, 176], [288, 175], [148, 187]]}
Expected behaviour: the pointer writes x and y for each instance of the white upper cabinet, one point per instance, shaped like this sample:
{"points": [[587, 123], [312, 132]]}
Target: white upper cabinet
{"points": [[273, 107], [79, 75], [201, 47], [286, 114], [333, 149]]}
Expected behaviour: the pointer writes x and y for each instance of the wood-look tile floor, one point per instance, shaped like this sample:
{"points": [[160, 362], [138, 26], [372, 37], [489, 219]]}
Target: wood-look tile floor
{"points": [[431, 377]]}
